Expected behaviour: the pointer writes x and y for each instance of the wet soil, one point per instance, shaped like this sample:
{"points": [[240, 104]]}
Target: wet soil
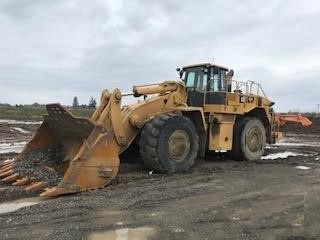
{"points": [[218, 198]]}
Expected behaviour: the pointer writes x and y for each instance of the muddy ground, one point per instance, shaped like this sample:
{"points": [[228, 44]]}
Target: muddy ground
{"points": [[217, 199]]}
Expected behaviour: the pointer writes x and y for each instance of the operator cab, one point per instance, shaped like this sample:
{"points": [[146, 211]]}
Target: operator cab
{"points": [[206, 84]]}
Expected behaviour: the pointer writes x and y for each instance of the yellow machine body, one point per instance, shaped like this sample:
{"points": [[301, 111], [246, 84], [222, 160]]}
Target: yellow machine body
{"points": [[69, 154]]}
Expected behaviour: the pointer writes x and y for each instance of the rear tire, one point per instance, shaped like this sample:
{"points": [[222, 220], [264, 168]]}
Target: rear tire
{"points": [[249, 139], [169, 143]]}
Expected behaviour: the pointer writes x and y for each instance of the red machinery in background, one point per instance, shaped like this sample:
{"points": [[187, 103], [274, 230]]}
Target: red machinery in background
{"points": [[282, 119]]}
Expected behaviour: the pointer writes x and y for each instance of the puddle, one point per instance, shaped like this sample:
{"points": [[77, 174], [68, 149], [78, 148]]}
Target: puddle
{"points": [[141, 233], [282, 155], [298, 222], [107, 217], [156, 214], [302, 167], [9, 121], [294, 142], [15, 205], [271, 147], [178, 230], [242, 214], [11, 147], [20, 130]]}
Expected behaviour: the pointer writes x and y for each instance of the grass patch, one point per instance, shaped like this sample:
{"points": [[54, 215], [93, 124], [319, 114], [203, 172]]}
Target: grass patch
{"points": [[35, 112]]}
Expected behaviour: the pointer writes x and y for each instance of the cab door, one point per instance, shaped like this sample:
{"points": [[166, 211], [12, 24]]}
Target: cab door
{"points": [[196, 80]]}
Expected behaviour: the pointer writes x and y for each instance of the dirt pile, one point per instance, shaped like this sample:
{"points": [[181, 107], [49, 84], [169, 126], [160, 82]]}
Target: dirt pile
{"points": [[44, 165]]}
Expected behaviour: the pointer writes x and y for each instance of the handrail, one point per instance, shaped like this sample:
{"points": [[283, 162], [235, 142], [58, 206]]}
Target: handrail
{"points": [[251, 84], [248, 88]]}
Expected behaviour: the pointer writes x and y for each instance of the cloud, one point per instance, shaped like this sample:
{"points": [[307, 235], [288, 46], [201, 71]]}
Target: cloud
{"points": [[55, 50]]}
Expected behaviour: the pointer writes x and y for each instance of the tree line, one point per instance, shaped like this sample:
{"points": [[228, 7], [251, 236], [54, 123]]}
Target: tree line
{"points": [[75, 104], [92, 103]]}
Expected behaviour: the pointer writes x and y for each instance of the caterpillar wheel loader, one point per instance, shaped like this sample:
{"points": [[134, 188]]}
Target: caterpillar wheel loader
{"points": [[174, 123]]}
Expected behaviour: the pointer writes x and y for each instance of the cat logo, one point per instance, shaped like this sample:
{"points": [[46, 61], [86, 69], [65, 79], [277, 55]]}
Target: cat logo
{"points": [[249, 99]]}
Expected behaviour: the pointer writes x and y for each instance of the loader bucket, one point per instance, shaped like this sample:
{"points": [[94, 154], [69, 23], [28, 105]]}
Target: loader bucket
{"points": [[67, 154]]}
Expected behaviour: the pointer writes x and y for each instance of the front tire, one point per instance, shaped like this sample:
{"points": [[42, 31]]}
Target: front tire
{"points": [[169, 143]]}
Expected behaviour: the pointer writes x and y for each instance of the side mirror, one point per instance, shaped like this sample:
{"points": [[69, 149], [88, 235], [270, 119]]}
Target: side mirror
{"points": [[230, 73], [180, 71]]}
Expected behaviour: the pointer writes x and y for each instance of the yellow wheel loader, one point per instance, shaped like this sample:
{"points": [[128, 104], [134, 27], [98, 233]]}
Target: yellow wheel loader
{"points": [[174, 123]]}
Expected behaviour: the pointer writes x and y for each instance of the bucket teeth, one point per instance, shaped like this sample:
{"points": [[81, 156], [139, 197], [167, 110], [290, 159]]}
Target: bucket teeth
{"points": [[55, 191], [6, 173], [20, 182], [8, 161], [6, 165], [36, 186], [5, 169], [11, 178]]}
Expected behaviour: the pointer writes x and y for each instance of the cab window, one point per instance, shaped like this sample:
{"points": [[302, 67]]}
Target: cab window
{"points": [[217, 81], [196, 78]]}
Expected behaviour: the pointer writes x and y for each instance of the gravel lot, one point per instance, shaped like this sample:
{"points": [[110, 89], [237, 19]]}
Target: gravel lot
{"points": [[217, 199]]}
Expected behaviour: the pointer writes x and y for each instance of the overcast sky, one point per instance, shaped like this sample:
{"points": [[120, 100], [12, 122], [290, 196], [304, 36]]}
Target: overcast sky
{"points": [[51, 51]]}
